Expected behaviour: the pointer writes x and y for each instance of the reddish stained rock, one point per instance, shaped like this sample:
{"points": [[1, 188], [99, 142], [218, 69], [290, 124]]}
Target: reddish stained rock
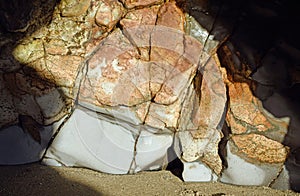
{"points": [[61, 70], [201, 115], [246, 114], [118, 75], [105, 69], [162, 116], [138, 25], [109, 13], [142, 75], [140, 17], [191, 50], [171, 16], [140, 3], [212, 98], [167, 39], [175, 83], [259, 149], [64, 68], [167, 47]]}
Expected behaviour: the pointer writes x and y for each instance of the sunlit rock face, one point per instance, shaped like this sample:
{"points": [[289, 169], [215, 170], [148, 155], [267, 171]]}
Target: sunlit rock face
{"points": [[144, 78], [118, 83]]}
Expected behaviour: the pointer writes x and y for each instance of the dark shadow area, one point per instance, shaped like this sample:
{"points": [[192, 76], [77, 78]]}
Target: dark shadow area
{"points": [[21, 84], [175, 166], [35, 179], [18, 19], [262, 34], [263, 39]]}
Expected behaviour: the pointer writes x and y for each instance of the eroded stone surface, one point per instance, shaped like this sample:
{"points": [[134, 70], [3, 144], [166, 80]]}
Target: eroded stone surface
{"points": [[246, 114], [140, 3], [259, 148], [140, 74], [242, 171], [70, 8], [109, 13], [255, 134], [142, 71]]}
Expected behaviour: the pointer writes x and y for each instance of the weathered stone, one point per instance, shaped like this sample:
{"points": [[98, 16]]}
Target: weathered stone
{"points": [[57, 109], [247, 115], [105, 69], [9, 114], [200, 135], [193, 28], [31, 96], [109, 13], [29, 51], [70, 8], [259, 148], [56, 47], [256, 165], [170, 10], [138, 26], [143, 75], [140, 3], [198, 172]]}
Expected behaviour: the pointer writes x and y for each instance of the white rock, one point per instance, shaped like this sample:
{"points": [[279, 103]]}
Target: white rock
{"points": [[197, 172], [94, 143], [151, 150], [282, 182], [241, 172]]}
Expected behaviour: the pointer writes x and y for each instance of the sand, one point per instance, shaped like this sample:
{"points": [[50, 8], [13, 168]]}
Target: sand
{"points": [[36, 179]]}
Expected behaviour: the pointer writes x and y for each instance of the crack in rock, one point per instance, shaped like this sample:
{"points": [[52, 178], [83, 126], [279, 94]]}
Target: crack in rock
{"points": [[128, 77]]}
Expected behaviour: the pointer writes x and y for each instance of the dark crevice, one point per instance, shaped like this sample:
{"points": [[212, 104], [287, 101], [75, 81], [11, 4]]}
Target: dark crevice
{"points": [[175, 166], [252, 28]]}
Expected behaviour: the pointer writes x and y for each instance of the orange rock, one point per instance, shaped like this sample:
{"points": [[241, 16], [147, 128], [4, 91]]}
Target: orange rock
{"points": [[259, 149], [138, 26], [247, 115]]}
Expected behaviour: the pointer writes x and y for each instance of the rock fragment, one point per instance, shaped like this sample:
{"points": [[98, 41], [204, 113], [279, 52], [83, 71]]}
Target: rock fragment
{"points": [[109, 13], [246, 114], [140, 3], [131, 76], [71, 8]]}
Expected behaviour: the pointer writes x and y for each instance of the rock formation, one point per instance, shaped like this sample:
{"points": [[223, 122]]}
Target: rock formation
{"points": [[112, 85]]}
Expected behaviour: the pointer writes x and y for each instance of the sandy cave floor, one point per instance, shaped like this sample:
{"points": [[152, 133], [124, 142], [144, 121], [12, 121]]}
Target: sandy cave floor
{"points": [[36, 179]]}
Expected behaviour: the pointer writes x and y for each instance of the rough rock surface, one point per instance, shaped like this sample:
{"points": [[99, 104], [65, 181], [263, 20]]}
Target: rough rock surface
{"points": [[143, 68]]}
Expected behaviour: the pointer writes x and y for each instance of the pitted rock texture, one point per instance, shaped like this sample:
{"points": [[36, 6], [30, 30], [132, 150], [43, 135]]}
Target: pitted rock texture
{"points": [[247, 115], [146, 69], [261, 149], [139, 64]]}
